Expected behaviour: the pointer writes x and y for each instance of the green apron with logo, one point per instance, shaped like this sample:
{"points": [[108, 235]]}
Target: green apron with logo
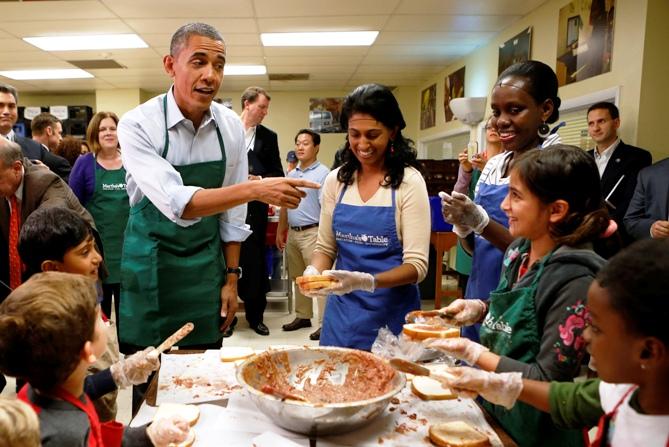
{"points": [[170, 274], [109, 207], [510, 329]]}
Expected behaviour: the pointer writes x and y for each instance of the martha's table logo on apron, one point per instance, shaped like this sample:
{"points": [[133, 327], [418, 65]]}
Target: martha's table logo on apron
{"points": [[362, 239], [113, 186], [497, 326]]}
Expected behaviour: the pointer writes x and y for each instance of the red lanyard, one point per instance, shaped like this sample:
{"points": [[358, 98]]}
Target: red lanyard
{"points": [[605, 421], [95, 438]]}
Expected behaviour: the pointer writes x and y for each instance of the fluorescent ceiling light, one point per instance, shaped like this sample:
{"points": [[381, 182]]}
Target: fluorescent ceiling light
{"points": [[241, 70], [67, 73], [323, 39], [87, 42]]}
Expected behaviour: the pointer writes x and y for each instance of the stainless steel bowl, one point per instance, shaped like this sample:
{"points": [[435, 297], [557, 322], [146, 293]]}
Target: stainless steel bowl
{"points": [[309, 418]]}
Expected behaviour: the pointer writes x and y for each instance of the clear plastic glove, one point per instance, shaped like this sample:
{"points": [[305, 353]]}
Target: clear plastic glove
{"points": [[462, 231], [464, 312], [310, 271], [168, 431], [458, 209], [500, 389], [134, 369], [460, 348], [347, 282]]}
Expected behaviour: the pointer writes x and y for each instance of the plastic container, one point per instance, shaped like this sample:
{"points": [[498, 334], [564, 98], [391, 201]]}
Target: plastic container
{"points": [[438, 222]]}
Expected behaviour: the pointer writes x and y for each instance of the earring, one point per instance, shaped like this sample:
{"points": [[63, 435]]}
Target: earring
{"points": [[392, 147], [643, 366], [543, 130]]}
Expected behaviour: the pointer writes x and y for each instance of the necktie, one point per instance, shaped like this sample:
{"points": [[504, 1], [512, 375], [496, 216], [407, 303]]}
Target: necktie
{"points": [[14, 259]]}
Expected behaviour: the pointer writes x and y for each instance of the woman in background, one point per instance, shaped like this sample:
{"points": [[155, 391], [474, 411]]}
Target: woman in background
{"points": [[69, 148], [98, 180]]}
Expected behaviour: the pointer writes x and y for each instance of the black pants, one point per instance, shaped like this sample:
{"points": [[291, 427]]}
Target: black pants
{"points": [[254, 283]]}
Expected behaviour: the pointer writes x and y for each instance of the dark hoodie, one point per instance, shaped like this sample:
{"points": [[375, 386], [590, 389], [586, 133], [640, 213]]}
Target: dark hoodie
{"points": [[560, 302]]}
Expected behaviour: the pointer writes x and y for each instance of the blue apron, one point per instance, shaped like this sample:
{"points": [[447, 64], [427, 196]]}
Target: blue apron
{"points": [[366, 242], [487, 259]]}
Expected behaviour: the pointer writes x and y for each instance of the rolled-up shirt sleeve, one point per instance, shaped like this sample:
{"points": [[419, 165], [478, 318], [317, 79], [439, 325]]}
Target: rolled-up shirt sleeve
{"points": [[150, 175], [232, 222]]}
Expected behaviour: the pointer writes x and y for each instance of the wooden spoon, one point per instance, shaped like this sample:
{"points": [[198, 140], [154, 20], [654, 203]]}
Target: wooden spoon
{"points": [[172, 339], [407, 366], [269, 389]]}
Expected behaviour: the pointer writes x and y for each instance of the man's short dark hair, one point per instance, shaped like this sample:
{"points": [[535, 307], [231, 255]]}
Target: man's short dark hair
{"points": [[181, 36], [315, 136], [252, 93], [613, 110], [48, 233], [6, 88], [39, 124]]}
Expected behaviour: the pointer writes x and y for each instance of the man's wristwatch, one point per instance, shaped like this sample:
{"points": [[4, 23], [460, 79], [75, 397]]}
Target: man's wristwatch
{"points": [[236, 270]]}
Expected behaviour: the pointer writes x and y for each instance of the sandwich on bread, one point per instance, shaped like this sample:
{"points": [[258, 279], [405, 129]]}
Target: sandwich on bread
{"points": [[189, 412], [423, 331], [457, 434], [315, 282]]}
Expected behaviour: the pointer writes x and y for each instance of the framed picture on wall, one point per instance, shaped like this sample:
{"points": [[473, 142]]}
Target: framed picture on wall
{"points": [[428, 107], [324, 114], [585, 40], [454, 87], [516, 49]]}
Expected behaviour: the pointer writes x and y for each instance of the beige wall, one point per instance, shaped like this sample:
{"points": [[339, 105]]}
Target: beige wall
{"points": [[118, 100], [655, 82], [626, 73], [64, 99]]}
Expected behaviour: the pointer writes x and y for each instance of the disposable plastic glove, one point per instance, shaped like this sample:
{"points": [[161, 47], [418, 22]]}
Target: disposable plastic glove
{"points": [[134, 369], [462, 231], [500, 389], [459, 209], [460, 348], [348, 281], [464, 312], [310, 271], [168, 431]]}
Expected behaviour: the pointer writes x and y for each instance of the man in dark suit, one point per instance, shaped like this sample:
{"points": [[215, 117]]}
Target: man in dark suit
{"points": [[618, 163], [31, 149], [264, 161], [648, 213]]}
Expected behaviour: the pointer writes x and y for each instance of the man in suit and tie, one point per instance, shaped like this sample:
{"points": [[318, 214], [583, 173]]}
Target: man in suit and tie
{"points": [[648, 213], [618, 163], [32, 150], [264, 161]]}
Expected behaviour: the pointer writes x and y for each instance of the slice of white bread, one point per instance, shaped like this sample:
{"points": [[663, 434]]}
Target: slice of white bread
{"points": [[423, 331], [430, 389], [189, 412], [234, 353], [457, 434]]}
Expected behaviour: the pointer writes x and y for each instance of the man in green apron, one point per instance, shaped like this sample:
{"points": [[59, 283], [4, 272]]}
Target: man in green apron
{"points": [[186, 162]]}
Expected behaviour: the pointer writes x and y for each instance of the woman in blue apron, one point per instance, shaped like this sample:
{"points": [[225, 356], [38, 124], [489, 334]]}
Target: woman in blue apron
{"points": [[98, 181], [523, 100], [536, 317], [374, 225]]}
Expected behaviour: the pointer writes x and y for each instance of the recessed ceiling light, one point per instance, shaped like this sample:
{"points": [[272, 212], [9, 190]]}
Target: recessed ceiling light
{"points": [[87, 42], [241, 70], [321, 39], [67, 73]]}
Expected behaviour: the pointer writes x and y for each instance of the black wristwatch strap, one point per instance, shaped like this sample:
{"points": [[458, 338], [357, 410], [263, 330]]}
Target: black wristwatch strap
{"points": [[236, 270]]}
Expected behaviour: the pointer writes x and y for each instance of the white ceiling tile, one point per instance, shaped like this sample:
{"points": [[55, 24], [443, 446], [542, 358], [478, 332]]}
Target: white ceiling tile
{"points": [[469, 7], [33, 28], [449, 23], [313, 60], [306, 8], [54, 10], [180, 9], [311, 24], [157, 26], [308, 52], [432, 38]]}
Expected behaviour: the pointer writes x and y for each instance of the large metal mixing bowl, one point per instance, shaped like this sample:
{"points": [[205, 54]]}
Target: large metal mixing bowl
{"points": [[310, 418]]}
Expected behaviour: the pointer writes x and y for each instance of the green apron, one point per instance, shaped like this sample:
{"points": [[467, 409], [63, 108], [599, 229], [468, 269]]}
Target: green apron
{"points": [[171, 274], [510, 329], [109, 207]]}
